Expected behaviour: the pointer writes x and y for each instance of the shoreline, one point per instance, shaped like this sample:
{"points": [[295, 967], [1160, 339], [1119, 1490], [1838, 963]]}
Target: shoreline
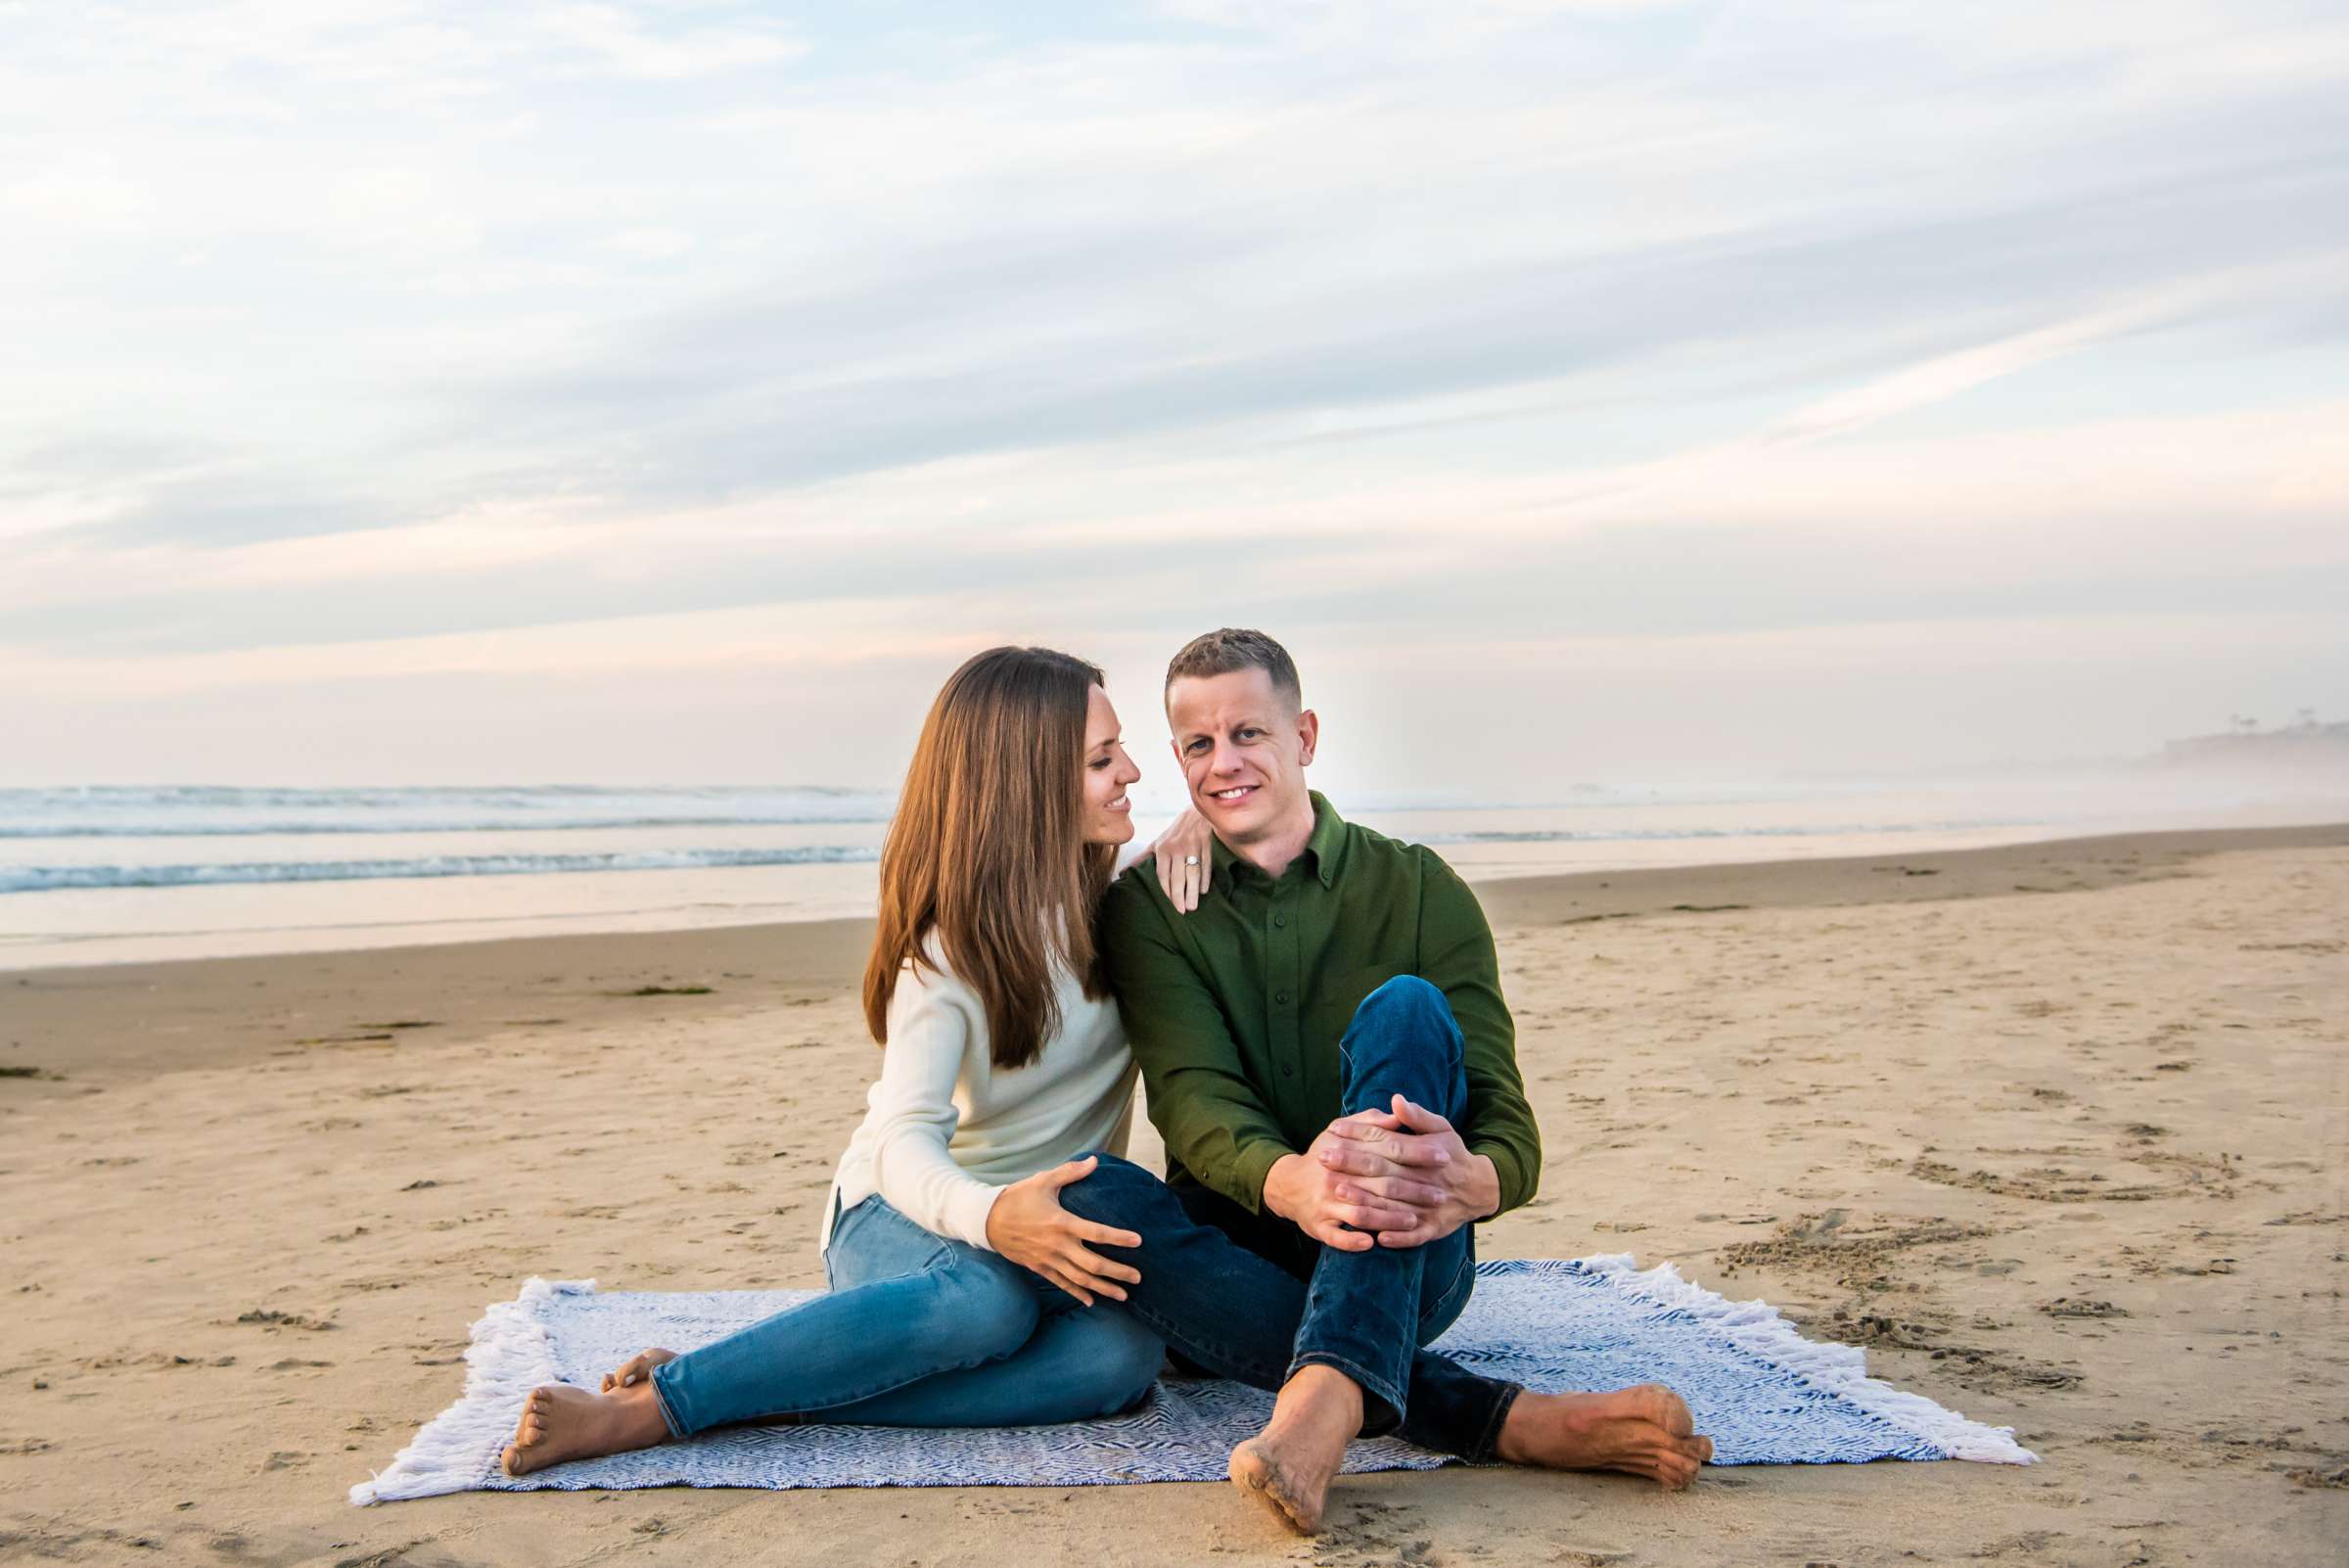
{"points": [[678, 880], [106, 1010]]}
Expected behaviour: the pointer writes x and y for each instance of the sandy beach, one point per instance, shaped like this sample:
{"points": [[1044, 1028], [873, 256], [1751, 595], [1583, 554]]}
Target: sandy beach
{"points": [[2059, 1131]]}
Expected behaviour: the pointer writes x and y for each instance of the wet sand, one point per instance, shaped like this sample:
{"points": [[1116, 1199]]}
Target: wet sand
{"points": [[2060, 1131]]}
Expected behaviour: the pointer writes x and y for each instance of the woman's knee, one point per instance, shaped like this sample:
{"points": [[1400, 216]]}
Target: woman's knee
{"points": [[979, 1309], [1142, 1356], [1123, 1361]]}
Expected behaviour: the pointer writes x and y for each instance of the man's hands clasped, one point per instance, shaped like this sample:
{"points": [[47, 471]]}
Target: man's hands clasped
{"points": [[1401, 1177], [1029, 1226]]}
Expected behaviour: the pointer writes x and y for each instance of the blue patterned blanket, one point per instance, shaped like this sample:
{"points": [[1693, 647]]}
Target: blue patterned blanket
{"points": [[1765, 1394]]}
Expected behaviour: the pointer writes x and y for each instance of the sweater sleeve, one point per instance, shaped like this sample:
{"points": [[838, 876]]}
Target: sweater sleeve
{"points": [[932, 1025]]}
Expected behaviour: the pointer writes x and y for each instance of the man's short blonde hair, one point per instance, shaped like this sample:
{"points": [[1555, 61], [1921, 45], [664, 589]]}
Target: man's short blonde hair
{"points": [[1229, 649]]}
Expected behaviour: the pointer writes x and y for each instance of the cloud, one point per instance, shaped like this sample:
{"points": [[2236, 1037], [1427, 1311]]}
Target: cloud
{"points": [[1947, 375], [655, 242], [355, 325], [610, 36], [2209, 513]]}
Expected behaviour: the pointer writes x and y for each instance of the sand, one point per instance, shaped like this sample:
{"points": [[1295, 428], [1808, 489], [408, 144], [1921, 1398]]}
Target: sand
{"points": [[2058, 1131]]}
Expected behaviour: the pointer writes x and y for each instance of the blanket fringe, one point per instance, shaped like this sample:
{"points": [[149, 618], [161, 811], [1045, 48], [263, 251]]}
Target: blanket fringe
{"points": [[1757, 1328], [511, 1354]]}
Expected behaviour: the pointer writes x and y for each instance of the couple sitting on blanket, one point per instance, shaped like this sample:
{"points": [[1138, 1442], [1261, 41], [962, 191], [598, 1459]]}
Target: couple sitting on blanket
{"points": [[1326, 1052]]}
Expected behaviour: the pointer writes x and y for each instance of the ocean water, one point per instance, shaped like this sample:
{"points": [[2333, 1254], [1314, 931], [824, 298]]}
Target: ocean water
{"points": [[112, 874]]}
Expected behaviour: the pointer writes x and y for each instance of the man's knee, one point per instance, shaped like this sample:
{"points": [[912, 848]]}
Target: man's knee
{"points": [[1117, 1192], [1411, 1004], [1403, 1040]]}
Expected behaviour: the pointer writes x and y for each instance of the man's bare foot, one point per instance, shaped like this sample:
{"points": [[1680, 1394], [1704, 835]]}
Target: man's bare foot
{"points": [[1288, 1466], [1644, 1431], [560, 1424], [637, 1369]]}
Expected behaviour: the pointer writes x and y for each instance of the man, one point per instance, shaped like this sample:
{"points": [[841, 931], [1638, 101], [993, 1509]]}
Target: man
{"points": [[1335, 1072]]}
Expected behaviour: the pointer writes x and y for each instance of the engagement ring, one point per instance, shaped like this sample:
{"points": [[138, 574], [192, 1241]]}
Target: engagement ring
{"points": [[1190, 860]]}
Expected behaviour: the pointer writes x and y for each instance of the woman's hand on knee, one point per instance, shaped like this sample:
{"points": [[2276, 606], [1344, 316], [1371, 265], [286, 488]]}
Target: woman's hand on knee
{"points": [[1029, 1226]]}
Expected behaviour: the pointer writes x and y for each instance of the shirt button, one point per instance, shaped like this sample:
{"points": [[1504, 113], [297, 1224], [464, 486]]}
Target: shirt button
{"points": [[1281, 920], [1281, 997], [1288, 1071]]}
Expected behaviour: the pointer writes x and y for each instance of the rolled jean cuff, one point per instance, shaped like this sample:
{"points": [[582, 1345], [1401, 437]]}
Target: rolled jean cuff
{"points": [[1486, 1449], [676, 1429], [1382, 1401]]}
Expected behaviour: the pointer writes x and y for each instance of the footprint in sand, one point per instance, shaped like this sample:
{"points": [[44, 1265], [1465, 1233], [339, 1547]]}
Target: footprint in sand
{"points": [[2076, 1174]]}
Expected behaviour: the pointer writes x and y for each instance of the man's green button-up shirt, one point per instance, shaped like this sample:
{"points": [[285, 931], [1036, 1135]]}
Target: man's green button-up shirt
{"points": [[1236, 1009]]}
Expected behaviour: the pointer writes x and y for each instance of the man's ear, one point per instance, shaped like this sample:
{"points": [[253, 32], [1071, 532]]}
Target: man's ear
{"points": [[1308, 734]]}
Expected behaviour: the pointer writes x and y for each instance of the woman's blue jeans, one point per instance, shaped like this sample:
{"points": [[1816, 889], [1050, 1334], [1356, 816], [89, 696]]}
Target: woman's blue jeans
{"points": [[917, 1330], [1249, 1295]]}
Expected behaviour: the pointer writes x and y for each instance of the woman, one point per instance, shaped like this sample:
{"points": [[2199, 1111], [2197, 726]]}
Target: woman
{"points": [[961, 1290]]}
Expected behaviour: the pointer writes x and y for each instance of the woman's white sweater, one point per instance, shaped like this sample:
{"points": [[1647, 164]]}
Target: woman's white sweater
{"points": [[945, 1129]]}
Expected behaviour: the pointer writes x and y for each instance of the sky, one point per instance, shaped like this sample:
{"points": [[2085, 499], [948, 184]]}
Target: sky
{"points": [[403, 393]]}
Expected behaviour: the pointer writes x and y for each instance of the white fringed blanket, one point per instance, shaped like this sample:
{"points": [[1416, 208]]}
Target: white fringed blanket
{"points": [[1765, 1394]]}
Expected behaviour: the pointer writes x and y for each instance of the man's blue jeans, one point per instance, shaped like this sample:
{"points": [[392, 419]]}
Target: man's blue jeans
{"points": [[1251, 1297], [917, 1330]]}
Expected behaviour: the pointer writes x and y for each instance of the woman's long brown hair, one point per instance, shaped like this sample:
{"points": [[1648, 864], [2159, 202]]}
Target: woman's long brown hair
{"points": [[987, 847]]}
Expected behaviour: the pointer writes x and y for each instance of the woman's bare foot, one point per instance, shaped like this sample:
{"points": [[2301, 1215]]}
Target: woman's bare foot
{"points": [[1288, 1466], [560, 1424], [637, 1369], [1644, 1431]]}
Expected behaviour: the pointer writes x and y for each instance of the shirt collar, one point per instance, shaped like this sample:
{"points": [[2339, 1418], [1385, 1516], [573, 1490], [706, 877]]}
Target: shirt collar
{"points": [[1325, 849], [1327, 846]]}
